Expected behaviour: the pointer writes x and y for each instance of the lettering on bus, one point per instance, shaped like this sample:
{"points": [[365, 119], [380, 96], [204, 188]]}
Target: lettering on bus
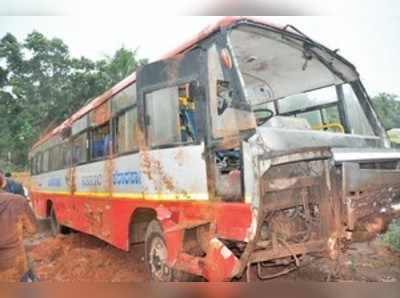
{"points": [[54, 182], [118, 178], [92, 180], [126, 178]]}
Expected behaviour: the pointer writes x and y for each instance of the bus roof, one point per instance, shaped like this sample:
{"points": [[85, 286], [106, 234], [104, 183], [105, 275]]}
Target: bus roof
{"points": [[205, 33]]}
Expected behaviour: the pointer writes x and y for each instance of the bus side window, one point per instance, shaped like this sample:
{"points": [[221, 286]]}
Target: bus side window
{"points": [[126, 131], [100, 141], [45, 161], [79, 149], [170, 116]]}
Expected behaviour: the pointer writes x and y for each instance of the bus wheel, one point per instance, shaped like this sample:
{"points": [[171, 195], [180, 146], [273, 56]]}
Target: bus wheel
{"points": [[54, 225], [156, 254]]}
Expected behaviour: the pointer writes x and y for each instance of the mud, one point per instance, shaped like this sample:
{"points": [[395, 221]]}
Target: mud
{"points": [[79, 257]]}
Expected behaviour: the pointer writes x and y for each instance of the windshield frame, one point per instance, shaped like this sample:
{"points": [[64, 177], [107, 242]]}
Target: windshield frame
{"points": [[358, 88]]}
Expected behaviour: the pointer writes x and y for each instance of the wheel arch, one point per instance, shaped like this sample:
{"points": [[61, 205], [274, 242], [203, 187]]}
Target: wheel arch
{"points": [[49, 206], [139, 221]]}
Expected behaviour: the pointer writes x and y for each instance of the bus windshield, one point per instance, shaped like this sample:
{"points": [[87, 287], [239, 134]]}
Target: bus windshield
{"points": [[283, 77]]}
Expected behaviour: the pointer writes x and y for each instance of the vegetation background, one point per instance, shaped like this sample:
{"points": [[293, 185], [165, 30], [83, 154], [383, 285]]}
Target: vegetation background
{"points": [[41, 85]]}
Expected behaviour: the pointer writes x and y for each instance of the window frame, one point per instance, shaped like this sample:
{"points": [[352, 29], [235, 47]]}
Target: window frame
{"points": [[73, 138], [133, 107], [91, 131], [158, 87]]}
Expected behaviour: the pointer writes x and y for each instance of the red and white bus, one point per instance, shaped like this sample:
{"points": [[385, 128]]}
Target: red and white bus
{"points": [[250, 145]]}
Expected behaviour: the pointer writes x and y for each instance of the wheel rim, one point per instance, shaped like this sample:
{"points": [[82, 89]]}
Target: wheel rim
{"points": [[157, 260]]}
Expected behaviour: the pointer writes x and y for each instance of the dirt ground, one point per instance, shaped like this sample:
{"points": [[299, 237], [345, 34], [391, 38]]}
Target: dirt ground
{"points": [[80, 257]]}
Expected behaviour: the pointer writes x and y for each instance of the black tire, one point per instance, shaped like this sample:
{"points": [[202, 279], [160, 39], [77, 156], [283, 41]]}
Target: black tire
{"points": [[55, 227], [154, 256]]}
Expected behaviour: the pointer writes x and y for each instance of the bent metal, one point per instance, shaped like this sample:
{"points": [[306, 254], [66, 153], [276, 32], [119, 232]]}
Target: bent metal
{"points": [[251, 145]]}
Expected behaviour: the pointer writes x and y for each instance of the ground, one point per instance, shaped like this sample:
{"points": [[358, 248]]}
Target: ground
{"points": [[80, 257]]}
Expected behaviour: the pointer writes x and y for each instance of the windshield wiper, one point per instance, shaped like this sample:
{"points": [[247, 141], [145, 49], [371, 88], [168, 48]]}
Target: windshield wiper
{"points": [[308, 51]]}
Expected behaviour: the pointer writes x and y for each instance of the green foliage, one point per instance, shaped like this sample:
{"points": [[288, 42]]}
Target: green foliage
{"points": [[388, 108], [41, 85], [392, 237]]}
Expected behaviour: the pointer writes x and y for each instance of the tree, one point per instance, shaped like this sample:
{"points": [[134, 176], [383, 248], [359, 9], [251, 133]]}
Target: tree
{"points": [[41, 85], [388, 108]]}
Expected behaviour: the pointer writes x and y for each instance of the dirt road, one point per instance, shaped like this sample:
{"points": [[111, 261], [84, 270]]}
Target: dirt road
{"points": [[79, 257]]}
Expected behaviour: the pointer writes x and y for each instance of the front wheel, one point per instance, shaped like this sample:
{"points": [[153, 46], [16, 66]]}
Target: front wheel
{"points": [[156, 254], [156, 257]]}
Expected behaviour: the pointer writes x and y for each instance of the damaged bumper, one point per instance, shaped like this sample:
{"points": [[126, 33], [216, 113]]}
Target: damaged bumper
{"points": [[309, 200]]}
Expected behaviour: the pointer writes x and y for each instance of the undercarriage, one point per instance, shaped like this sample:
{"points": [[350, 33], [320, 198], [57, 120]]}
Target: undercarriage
{"points": [[310, 204]]}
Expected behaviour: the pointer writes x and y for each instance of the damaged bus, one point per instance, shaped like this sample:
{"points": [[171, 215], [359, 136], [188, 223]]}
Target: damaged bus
{"points": [[249, 146]]}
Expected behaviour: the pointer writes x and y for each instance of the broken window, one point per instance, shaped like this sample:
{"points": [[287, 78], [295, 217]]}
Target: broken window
{"points": [[126, 131], [170, 116]]}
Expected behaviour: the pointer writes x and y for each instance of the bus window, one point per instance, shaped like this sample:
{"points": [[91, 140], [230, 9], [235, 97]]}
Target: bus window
{"points": [[45, 162], [125, 131], [66, 155], [55, 162], [38, 164], [100, 141], [79, 149], [170, 116]]}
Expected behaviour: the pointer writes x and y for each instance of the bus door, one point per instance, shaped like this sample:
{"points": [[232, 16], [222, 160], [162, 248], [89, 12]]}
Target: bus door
{"points": [[172, 109]]}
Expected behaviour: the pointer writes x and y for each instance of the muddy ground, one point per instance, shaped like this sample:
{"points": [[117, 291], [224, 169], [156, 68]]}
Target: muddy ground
{"points": [[80, 257]]}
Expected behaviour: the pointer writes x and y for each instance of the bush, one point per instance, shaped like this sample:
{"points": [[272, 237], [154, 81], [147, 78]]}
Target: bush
{"points": [[392, 237]]}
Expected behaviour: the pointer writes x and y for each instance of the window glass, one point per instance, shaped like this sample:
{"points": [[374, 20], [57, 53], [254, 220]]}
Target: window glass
{"points": [[67, 156], [125, 131], [33, 165], [331, 115], [171, 116], [307, 100], [45, 162], [55, 162], [37, 163], [124, 99], [79, 149], [359, 123], [40, 163], [312, 117], [101, 141], [163, 117]]}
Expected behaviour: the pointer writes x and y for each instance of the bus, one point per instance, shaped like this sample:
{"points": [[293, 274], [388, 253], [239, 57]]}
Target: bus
{"points": [[251, 146]]}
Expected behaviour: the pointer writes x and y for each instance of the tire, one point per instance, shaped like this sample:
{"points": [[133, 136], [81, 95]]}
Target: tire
{"points": [[156, 254], [55, 227]]}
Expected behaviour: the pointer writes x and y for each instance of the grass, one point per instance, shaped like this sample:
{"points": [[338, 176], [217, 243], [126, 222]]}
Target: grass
{"points": [[392, 237]]}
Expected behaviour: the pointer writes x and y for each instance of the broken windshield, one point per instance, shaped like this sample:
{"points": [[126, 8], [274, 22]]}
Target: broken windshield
{"points": [[288, 78]]}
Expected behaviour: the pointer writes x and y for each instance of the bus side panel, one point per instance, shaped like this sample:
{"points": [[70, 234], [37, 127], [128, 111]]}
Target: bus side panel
{"points": [[46, 190], [177, 173]]}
